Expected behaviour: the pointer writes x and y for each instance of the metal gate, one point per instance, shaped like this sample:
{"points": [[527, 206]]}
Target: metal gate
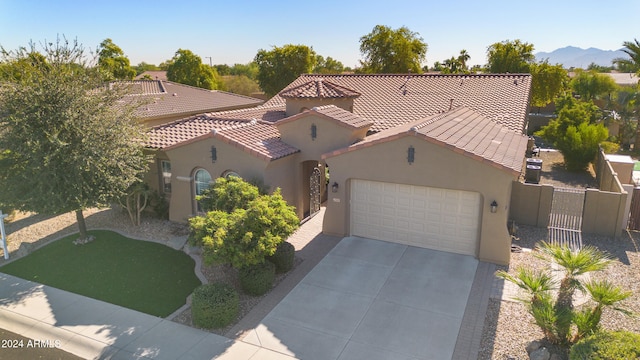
{"points": [[314, 191], [634, 216], [565, 219]]}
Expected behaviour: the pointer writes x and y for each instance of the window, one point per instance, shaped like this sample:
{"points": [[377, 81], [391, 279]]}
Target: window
{"points": [[201, 182], [165, 170], [229, 173]]}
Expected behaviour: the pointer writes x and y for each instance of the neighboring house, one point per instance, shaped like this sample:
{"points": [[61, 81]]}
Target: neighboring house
{"points": [[153, 75], [425, 160], [165, 101]]}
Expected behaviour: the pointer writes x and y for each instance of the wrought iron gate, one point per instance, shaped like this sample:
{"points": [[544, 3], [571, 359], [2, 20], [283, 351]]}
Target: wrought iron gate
{"points": [[565, 219], [314, 191]]}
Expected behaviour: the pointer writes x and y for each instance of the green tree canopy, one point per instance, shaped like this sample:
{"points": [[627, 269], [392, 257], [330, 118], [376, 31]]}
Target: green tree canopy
{"points": [[69, 143], [113, 62], [227, 194], [548, 82], [244, 228], [632, 64], [328, 65], [510, 57], [143, 66], [12, 69], [590, 84], [280, 66], [389, 51], [239, 84], [187, 68], [575, 132]]}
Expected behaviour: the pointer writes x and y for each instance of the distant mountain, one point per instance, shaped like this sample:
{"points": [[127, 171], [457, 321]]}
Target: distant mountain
{"points": [[572, 56]]}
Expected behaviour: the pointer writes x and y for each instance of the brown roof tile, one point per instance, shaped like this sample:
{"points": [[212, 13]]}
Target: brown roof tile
{"points": [[318, 89], [391, 100], [465, 131], [163, 98], [259, 138], [332, 112]]}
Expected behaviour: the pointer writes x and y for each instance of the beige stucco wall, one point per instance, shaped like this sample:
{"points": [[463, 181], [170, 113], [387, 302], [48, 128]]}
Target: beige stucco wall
{"points": [[188, 158], [434, 166], [604, 212], [330, 135], [531, 204], [295, 106]]}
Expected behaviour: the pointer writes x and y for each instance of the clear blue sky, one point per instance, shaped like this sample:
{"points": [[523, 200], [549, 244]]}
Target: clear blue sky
{"points": [[233, 31]]}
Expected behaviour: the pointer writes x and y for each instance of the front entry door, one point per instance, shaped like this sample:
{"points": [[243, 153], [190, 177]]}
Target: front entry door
{"points": [[314, 191]]}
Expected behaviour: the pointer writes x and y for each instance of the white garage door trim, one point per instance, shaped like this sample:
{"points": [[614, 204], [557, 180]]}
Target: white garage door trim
{"points": [[435, 218]]}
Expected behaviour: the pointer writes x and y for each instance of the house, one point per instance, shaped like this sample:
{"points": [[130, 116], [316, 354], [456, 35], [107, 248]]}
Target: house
{"points": [[425, 160], [165, 101]]}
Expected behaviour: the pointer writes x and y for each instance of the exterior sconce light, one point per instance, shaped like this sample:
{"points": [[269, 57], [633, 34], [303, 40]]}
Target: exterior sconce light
{"points": [[411, 153], [494, 207], [214, 154], [314, 131], [334, 187]]}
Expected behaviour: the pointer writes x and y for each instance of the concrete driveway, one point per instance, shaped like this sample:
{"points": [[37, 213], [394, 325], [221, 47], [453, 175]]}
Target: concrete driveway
{"points": [[370, 299]]}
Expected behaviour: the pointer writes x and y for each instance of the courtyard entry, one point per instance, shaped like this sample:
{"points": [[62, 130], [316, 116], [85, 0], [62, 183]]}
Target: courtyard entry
{"points": [[565, 219]]}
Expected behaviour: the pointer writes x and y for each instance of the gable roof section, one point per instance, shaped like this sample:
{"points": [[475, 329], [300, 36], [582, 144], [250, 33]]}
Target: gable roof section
{"points": [[319, 89], [250, 129], [390, 100], [333, 113], [164, 98], [461, 130]]}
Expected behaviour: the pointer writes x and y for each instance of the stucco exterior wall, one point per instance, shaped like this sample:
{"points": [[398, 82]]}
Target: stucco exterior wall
{"points": [[295, 106], [433, 166], [531, 204], [604, 212], [330, 136], [185, 160]]}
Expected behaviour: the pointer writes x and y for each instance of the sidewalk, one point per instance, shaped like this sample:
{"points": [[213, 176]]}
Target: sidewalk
{"points": [[94, 329]]}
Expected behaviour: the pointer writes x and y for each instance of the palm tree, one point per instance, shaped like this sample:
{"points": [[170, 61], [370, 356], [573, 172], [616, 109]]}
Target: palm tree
{"points": [[604, 294], [463, 58], [573, 264], [633, 50]]}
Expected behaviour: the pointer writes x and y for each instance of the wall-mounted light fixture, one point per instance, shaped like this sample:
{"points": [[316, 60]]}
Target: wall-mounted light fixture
{"points": [[334, 187], [494, 207], [411, 153], [214, 154], [314, 131]]}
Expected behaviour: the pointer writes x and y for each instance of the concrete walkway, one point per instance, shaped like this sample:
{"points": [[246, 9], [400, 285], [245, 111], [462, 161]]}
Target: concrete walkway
{"points": [[94, 329]]}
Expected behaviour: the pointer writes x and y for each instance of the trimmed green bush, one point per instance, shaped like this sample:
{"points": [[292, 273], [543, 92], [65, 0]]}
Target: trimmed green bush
{"points": [[257, 279], [606, 345], [214, 305], [283, 257]]}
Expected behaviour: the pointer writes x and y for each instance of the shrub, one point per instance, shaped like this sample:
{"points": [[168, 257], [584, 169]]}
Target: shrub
{"points": [[610, 147], [214, 305], [607, 346], [160, 205], [283, 257], [257, 279]]}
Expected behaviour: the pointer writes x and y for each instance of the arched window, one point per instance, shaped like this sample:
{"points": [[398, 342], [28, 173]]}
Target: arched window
{"points": [[229, 173], [201, 182]]}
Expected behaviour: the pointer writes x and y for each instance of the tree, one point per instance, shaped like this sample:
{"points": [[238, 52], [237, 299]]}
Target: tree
{"points": [[143, 66], [113, 63], [510, 57], [239, 84], [392, 51], [250, 231], [575, 132], [17, 69], [463, 58], [548, 82], [280, 66], [227, 194], [70, 144], [590, 85], [556, 318], [187, 68], [599, 68], [328, 65], [633, 64]]}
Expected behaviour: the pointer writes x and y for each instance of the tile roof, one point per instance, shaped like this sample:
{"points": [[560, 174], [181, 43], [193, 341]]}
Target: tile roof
{"points": [[154, 74], [332, 112], [164, 98], [319, 89], [390, 100], [465, 131], [251, 129]]}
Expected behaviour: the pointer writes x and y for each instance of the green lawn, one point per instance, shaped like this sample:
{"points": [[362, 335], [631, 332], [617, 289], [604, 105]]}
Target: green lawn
{"points": [[140, 275], [636, 166]]}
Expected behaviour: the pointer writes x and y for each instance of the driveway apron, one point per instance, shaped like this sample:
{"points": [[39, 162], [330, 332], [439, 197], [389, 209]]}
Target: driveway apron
{"points": [[370, 299]]}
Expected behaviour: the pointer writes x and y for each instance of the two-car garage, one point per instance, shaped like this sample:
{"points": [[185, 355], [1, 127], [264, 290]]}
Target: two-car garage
{"points": [[435, 218]]}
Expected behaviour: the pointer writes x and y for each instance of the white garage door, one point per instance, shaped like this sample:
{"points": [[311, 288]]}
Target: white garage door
{"points": [[434, 218]]}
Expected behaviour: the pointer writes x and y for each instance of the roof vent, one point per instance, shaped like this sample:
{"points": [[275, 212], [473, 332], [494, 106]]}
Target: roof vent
{"points": [[214, 131], [515, 82], [253, 121], [175, 94], [414, 129]]}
